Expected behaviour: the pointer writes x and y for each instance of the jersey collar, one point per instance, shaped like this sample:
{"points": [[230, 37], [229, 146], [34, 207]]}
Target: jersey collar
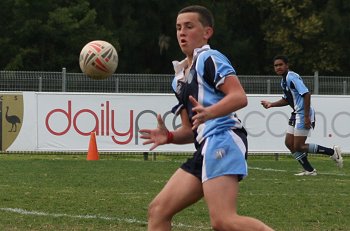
{"points": [[179, 67]]}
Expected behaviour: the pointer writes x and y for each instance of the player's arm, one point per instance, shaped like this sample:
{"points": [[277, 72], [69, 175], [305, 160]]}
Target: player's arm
{"points": [[235, 99], [161, 135], [184, 134], [279, 103], [307, 100]]}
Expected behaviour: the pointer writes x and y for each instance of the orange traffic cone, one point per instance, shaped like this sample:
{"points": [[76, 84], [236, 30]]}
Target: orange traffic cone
{"points": [[92, 152]]}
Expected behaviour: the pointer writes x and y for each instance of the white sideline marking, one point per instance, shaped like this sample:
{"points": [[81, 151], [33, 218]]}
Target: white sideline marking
{"points": [[331, 174], [36, 213], [126, 220], [267, 169], [279, 170], [133, 193]]}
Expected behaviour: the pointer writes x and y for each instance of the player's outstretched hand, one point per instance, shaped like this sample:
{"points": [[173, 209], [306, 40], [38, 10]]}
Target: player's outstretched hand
{"points": [[266, 104], [156, 136]]}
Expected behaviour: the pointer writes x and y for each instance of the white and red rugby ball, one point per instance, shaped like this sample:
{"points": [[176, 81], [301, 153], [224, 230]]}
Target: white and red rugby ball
{"points": [[98, 59]]}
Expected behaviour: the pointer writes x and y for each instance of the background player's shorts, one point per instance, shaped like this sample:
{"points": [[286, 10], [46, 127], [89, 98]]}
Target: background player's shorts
{"points": [[297, 125]]}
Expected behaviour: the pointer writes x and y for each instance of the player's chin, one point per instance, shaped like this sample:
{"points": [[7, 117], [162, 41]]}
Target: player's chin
{"points": [[280, 72], [183, 49], [186, 50]]}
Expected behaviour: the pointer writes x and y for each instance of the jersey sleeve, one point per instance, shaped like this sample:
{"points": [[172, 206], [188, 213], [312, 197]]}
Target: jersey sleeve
{"points": [[298, 84], [216, 68]]}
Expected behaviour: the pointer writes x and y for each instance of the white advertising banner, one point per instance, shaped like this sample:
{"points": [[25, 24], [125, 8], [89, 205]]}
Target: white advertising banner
{"points": [[67, 120], [64, 122], [267, 127]]}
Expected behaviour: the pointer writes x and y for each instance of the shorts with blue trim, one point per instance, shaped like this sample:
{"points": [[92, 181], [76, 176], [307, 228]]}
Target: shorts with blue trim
{"points": [[220, 154]]}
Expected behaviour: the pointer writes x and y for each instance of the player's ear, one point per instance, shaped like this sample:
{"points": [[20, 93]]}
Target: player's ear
{"points": [[208, 32]]}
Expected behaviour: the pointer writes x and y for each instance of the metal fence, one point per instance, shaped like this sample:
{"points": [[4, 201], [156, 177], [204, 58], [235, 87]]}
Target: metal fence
{"points": [[153, 83]]}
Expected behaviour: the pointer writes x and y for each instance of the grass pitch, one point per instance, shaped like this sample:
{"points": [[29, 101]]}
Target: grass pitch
{"points": [[66, 192]]}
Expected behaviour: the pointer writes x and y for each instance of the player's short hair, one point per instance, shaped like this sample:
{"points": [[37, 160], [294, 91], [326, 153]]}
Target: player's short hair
{"points": [[284, 58], [205, 16]]}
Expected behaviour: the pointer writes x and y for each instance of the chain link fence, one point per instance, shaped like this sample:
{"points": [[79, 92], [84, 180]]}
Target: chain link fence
{"points": [[18, 81], [152, 83]]}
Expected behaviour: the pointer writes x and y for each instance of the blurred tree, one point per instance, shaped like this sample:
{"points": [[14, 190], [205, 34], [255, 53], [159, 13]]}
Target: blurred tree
{"points": [[47, 36], [298, 28], [142, 29], [336, 22], [238, 35], [6, 48]]}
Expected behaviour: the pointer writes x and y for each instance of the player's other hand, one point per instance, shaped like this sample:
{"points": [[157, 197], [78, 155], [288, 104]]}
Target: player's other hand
{"points": [[307, 122], [156, 136], [265, 104], [201, 113]]}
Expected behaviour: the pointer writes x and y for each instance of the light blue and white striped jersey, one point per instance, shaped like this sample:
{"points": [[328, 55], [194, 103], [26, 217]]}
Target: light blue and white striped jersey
{"points": [[207, 73], [294, 88]]}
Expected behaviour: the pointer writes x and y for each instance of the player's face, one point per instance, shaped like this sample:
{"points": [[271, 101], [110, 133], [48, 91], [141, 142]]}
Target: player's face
{"points": [[280, 67], [191, 33]]}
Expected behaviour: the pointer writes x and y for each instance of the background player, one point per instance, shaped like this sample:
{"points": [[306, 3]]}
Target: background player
{"points": [[302, 119]]}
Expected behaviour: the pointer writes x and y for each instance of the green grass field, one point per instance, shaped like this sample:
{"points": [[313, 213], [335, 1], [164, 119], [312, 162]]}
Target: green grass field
{"points": [[66, 192]]}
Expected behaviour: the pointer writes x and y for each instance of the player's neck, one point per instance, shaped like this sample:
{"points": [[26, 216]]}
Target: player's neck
{"points": [[189, 60]]}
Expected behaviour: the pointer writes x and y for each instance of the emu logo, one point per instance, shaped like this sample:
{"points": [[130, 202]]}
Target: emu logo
{"points": [[11, 112], [12, 119]]}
